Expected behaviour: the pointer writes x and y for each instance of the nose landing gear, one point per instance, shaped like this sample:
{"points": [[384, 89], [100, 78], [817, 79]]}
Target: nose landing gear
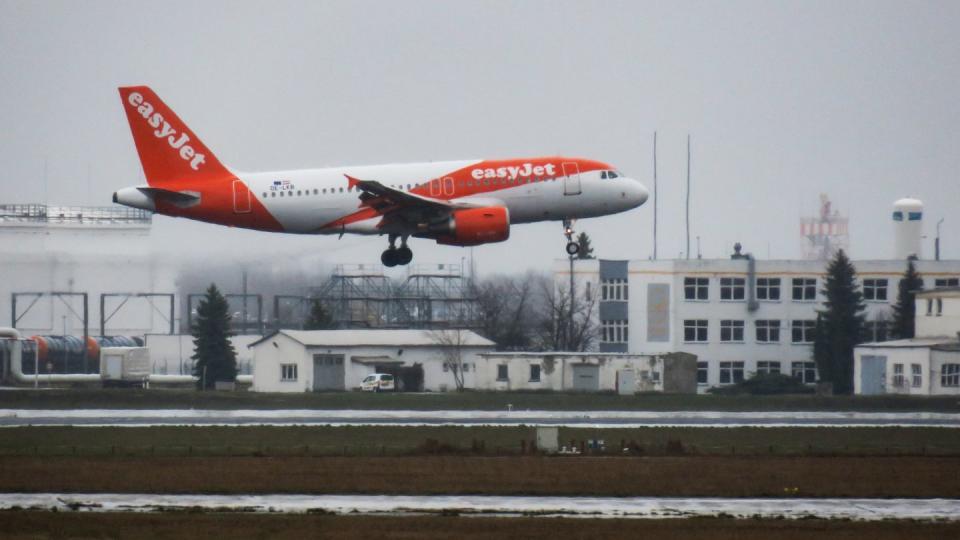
{"points": [[572, 247], [394, 256]]}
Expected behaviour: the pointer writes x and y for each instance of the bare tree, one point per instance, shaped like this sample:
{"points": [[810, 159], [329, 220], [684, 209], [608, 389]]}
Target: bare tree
{"points": [[452, 342], [506, 310], [562, 325]]}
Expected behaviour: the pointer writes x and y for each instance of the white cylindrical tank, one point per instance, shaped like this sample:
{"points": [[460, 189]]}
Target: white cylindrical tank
{"points": [[907, 228]]}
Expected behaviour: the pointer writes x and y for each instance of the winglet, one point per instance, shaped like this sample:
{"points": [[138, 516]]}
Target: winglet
{"points": [[352, 182]]}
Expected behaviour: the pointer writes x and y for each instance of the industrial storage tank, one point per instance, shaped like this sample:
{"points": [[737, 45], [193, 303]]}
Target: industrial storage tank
{"points": [[69, 354], [907, 228]]}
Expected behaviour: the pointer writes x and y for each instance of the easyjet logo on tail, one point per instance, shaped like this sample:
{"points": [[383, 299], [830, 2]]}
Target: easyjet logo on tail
{"points": [[514, 172], [165, 131]]}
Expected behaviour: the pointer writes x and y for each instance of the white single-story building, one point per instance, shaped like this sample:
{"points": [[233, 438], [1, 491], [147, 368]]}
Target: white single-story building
{"points": [[587, 372], [317, 360], [928, 364]]}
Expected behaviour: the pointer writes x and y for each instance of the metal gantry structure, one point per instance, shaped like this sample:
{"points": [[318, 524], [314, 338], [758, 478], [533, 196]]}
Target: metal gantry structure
{"points": [[429, 296]]}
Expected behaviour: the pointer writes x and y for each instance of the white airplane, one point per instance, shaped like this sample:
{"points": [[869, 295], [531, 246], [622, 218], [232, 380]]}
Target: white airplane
{"points": [[462, 203]]}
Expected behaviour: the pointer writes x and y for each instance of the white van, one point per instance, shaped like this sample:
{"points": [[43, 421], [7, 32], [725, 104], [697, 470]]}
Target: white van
{"points": [[377, 382]]}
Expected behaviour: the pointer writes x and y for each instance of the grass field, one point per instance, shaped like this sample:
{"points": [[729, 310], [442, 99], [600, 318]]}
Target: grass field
{"points": [[458, 475], [477, 440], [86, 398], [33, 525]]}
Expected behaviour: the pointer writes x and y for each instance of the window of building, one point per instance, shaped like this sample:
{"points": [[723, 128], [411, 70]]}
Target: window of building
{"points": [[929, 307], [804, 289], [916, 376], [731, 331], [731, 372], [288, 372], [765, 367], [875, 290], [614, 331], [613, 289], [950, 375], [732, 288], [802, 331], [701, 373], [939, 307], [805, 372], [534, 372], [898, 379], [877, 330], [768, 331], [502, 372], [946, 282], [696, 288], [695, 330], [768, 289]]}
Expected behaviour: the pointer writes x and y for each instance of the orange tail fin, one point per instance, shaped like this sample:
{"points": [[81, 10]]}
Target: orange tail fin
{"points": [[169, 150]]}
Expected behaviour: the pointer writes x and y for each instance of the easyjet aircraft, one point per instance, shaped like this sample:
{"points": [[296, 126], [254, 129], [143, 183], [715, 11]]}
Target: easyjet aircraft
{"points": [[462, 203]]}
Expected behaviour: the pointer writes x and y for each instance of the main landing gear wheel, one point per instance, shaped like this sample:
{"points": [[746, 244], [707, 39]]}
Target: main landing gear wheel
{"points": [[389, 257], [394, 256], [572, 247], [404, 255]]}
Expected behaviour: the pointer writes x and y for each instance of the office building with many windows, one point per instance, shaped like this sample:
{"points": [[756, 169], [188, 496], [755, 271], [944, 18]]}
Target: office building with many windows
{"points": [[740, 316]]}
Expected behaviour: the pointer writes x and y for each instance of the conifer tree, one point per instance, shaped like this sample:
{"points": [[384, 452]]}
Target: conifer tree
{"points": [[586, 250], [841, 324], [319, 319], [214, 356], [905, 310]]}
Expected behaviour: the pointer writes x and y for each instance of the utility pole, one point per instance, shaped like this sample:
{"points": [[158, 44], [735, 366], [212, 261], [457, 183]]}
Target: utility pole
{"points": [[572, 297], [688, 196], [936, 242], [654, 195]]}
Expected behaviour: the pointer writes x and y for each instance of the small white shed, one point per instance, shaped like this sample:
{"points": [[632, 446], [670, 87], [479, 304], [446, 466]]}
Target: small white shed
{"points": [[326, 360]]}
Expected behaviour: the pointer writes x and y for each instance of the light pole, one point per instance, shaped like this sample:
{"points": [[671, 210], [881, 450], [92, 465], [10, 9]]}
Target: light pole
{"points": [[936, 242]]}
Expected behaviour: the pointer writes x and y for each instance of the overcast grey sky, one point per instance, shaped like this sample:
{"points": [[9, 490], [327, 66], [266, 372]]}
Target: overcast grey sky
{"points": [[784, 100]]}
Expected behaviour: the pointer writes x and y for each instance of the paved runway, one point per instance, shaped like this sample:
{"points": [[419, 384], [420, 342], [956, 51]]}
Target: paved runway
{"points": [[600, 507], [159, 417]]}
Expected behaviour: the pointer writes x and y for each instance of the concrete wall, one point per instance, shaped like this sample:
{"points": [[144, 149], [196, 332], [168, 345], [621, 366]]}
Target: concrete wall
{"points": [[937, 360], [651, 372], [170, 355], [931, 321]]}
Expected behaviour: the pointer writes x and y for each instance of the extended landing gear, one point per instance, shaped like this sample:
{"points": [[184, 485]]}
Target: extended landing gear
{"points": [[572, 247], [394, 256]]}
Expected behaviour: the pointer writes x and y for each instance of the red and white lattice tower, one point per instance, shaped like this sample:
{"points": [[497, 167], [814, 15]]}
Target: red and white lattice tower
{"points": [[823, 235]]}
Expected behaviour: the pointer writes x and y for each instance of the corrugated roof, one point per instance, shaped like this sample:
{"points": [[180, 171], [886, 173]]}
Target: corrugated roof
{"points": [[375, 337]]}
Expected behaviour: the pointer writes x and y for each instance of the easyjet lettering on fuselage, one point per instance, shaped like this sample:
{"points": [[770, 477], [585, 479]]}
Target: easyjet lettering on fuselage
{"points": [[525, 171], [461, 203]]}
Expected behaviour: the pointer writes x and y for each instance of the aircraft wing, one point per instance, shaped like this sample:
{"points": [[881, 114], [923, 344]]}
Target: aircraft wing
{"points": [[385, 199]]}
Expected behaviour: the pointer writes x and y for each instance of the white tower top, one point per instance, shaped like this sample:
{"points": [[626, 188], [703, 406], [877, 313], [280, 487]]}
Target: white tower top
{"points": [[907, 228]]}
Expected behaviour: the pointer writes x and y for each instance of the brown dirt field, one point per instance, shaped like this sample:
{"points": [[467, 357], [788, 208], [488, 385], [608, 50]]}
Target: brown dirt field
{"points": [[601, 476], [34, 525]]}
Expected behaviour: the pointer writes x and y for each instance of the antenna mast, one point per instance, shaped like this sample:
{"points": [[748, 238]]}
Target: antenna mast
{"points": [[688, 196], [654, 195]]}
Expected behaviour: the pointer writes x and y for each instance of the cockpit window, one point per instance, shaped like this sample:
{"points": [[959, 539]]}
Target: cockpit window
{"points": [[608, 174], [603, 175], [612, 174]]}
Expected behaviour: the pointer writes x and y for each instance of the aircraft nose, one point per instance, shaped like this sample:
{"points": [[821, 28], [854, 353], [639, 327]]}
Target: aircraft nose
{"points": [[637, 193]]}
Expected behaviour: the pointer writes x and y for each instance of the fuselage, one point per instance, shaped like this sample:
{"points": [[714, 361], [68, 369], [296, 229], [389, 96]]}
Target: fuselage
{"points": [[321, 201]]}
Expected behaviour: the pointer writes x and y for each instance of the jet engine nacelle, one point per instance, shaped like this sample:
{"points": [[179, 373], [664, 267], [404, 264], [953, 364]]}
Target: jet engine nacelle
{"points": [[475, 226]]}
